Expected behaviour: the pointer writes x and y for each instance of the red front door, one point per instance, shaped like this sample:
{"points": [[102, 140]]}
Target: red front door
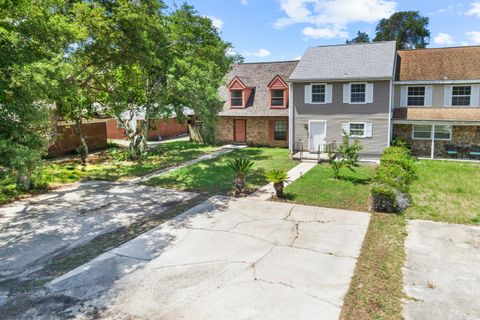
{"points": [[240, 132]]}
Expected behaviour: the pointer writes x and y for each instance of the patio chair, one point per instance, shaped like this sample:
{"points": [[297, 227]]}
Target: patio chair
{"points": [[474, 152], [451, 150]]}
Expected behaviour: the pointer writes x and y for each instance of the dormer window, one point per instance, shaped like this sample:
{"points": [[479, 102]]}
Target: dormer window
{"points": [[236, 98], [240, 92], [278, 98], [278, 93]]}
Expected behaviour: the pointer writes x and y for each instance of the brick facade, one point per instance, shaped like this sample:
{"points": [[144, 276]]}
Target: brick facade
{"points": [[162, 129], [68, 141], [461, 135], [259, 131]]}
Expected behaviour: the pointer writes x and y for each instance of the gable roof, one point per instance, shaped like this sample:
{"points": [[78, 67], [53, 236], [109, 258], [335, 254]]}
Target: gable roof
{"points": [[456, 63], [346, 62], [258, 76]]}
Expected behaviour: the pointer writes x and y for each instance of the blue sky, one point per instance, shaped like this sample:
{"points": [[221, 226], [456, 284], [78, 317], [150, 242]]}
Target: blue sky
{"points": [[269, 30]]}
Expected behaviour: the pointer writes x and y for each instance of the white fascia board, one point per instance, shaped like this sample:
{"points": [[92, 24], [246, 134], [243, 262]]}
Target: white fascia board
{"points": [[418, 82]]}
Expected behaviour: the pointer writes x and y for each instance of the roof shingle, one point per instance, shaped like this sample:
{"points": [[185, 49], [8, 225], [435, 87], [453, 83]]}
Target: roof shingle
{"points": [[258, 76], [459, 63], [353, 61]]}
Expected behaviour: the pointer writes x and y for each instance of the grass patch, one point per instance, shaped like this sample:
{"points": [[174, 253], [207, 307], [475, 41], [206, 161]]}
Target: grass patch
{"points": [[111, 165], [215, 177], [376, 287], [318, 187], [446, 191]]}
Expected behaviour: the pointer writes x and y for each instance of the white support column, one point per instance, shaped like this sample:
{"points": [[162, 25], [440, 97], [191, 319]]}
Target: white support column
{"points": [[290, 117], [432, 151]]}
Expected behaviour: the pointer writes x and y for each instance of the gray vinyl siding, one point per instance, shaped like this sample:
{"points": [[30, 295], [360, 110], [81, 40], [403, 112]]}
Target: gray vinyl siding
{"points": [[376, 113]]}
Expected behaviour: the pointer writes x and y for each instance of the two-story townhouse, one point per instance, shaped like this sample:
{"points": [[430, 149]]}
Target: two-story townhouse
{"points": [[256, 102], [342, 88], [437, 101]]}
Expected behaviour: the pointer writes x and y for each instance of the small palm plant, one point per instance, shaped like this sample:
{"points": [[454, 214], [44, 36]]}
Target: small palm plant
{"points": [[278, 177], [241, 167]]}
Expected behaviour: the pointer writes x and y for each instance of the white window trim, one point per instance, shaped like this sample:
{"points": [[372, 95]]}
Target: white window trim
{"points": [[311, 93], [424, 96], [364, 129], [470, 95], [431, 132], [350, 89]]}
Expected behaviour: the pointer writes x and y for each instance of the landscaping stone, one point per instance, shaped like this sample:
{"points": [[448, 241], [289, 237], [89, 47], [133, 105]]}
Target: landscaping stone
{"points": [[442, 271]]}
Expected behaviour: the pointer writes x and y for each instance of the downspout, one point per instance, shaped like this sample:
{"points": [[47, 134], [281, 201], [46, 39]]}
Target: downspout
{"points": [[290, 117], [390, 126], [432, 150]]}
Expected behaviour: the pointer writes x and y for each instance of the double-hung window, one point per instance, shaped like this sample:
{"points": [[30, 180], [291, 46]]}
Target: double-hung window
{"points": [[424, 132], [318, 93], [236, 98], [358, 92], [280, 130], [416, 96], [461, 95], [277, 98], [357, 130]]}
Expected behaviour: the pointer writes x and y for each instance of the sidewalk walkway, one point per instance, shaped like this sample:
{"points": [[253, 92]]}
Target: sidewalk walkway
{"points": [[267, 191], [223, 150]]}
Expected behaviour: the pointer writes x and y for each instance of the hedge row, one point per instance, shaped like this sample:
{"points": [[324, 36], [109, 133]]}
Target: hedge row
{"points": [[392, 180]]}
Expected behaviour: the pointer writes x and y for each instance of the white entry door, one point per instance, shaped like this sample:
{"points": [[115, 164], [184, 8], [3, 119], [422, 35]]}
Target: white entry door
{"points": [[318, 132]]}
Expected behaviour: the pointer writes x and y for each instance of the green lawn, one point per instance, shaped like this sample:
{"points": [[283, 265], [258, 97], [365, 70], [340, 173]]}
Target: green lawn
{"points": [[110, 165], [318, 188], [215, 177], [376, 288], [446, 191]]}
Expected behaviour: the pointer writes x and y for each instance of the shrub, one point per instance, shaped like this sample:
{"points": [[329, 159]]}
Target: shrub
{"points": [[241, 167], [346, 156], [278, 178], [401, 142], [392, 180]]}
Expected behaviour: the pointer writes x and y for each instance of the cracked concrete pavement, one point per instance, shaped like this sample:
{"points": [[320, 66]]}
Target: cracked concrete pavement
{"points": [[442, 271], [36, 229], [224, 259]]}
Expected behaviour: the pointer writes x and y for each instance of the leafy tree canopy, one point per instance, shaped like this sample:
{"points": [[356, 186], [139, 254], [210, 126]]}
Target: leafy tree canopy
{"points": [[362, 37], [408, 28]]}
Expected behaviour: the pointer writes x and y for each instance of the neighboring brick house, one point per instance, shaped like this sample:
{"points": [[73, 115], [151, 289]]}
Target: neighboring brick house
{"points": [[437, 100], [68, 141], [342, 88], [159, 130], [256, 102]]}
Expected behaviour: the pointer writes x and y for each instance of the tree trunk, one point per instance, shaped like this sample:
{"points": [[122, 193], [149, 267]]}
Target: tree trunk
{"points": [[240, 185], [278, 186], [83, 149], [24, 180]]}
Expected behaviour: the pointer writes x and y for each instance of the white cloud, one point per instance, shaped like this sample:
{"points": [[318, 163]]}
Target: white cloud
{"points": [[443, 38], [244, 2], [324, 33], [473, 36], [475, 10], [329, 18], [217, 23], [261, 53], [297, 58], [231, 52]]}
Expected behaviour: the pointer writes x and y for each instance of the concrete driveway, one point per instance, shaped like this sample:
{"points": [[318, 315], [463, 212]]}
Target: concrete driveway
{"points": [[225, 259], [442, 272], [35, 230]]}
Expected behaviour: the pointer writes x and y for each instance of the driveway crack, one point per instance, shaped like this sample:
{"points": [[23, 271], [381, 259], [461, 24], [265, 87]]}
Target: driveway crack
{"points": [[295, 288]]}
